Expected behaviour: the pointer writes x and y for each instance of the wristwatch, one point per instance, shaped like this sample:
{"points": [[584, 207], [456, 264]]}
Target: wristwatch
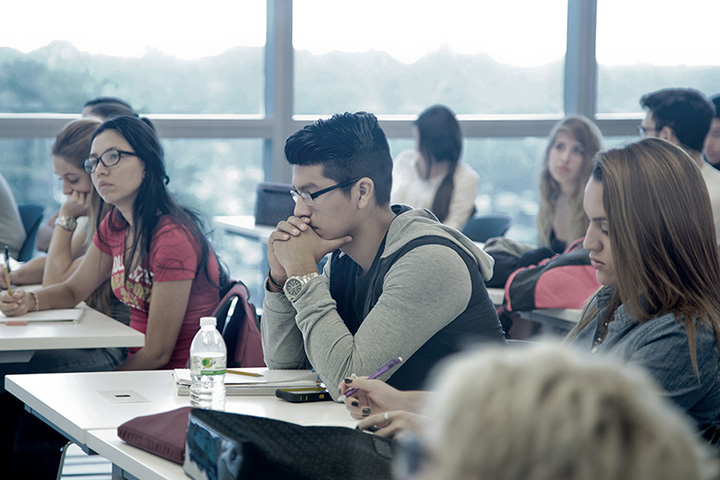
{"points": [[68, 223], [294, 285]]}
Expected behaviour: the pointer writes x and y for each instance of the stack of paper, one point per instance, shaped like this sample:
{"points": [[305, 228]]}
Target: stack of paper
{"points": [[265, 384]]}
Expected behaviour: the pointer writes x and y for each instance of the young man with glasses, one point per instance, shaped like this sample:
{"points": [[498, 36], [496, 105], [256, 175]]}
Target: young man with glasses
{"points": [[398, 284], [683, 116]]}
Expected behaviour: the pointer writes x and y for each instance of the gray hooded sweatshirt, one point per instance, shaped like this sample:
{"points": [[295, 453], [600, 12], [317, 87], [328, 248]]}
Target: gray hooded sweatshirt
{"points": [[422, 304]]}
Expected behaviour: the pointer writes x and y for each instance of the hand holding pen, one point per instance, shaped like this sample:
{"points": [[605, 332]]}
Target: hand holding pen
{"points": [[384, 368]]}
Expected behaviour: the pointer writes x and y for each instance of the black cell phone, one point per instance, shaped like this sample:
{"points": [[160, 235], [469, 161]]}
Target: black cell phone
{"points": [[298, 395]]}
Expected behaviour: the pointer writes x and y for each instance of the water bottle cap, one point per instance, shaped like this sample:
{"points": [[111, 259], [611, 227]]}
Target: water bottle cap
{"points": [[208, 321]]}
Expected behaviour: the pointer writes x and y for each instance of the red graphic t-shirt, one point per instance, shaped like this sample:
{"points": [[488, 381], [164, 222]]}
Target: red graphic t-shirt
{"points": [[174, 255]]}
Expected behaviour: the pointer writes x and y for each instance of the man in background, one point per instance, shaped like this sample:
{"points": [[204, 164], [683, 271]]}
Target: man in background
{"points": [[712, 140], [683, 116]]}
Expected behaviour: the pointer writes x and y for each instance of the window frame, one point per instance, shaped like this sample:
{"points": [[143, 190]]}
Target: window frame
{"points": [[579, 97]]}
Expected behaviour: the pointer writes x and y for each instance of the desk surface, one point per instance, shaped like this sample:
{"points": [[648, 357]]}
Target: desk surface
{"points": [[244, 225], [93, 330], [127, 459], [563, 319], [78, 402]]}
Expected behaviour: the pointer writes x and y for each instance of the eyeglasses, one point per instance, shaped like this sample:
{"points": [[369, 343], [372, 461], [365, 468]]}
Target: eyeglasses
{"points": [[309, 198], [109, 158], [643, 130]]}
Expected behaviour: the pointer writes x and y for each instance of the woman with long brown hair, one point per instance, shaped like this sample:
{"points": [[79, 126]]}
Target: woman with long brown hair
{"points": [[567, 163], [652, 241]]}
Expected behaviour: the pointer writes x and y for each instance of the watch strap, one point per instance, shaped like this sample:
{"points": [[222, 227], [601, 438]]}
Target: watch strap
{"points": [[68, 223]]}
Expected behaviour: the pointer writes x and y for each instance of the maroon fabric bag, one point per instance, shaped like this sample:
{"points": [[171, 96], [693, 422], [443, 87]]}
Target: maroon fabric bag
{"points": [[162, 434]]}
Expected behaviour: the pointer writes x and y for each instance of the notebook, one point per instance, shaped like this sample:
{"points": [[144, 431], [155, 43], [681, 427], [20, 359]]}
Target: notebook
{"points": [[270, 381], [59, 315]]}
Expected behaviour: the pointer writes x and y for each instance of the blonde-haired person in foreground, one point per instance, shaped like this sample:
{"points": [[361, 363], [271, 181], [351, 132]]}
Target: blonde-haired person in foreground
{"points": [[547, 413]]}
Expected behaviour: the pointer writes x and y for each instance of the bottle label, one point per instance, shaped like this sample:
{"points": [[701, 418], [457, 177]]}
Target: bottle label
{"points": [[210, 366]]}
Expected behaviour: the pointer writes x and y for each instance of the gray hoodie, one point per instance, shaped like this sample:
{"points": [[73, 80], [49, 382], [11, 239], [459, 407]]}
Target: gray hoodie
{"points": [[422, 292]]}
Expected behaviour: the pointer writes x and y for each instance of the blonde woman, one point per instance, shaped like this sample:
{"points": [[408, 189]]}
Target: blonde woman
{"points": [[651, 240], [567, 164], [547, 413]]}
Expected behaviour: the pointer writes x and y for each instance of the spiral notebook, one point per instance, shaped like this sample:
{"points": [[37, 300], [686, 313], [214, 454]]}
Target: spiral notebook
{"points": [[266, 384]]}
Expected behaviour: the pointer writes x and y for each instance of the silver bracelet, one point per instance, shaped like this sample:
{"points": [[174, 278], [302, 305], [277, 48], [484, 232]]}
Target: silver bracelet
{"points": [[37, 302], [68, 223]]}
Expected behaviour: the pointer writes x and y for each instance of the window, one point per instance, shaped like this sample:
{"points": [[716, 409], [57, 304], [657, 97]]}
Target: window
{"points": [[642, 47], [161, 56], [402, 56]]}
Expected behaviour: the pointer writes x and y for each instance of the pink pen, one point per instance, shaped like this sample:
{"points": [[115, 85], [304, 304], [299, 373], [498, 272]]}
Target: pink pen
{"points": [[384, 368]]}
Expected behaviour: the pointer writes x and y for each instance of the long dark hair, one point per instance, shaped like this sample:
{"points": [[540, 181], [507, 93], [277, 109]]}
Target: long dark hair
{"points": [[153, 199], [440, 140]]}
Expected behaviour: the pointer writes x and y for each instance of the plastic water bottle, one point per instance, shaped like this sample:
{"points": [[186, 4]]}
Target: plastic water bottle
{"points": [[208, 358]]}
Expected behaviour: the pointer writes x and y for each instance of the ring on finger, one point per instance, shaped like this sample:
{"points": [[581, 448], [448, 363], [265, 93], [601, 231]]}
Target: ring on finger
{"points": [[387, 417]]}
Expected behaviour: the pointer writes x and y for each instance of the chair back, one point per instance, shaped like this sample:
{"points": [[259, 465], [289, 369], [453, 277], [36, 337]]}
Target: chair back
{"points": [[31, 215], [237, 321], [273, 203], [483, 227]]}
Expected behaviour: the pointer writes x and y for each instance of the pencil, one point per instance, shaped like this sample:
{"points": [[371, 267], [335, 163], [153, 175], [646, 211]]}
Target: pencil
{"points": [[7, 269], [7, 279], [240, 372]]}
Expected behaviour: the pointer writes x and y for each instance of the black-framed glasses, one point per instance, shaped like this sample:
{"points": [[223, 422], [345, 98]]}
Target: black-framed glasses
{"points": [[643, 130], [109, 158], [309, 198]]}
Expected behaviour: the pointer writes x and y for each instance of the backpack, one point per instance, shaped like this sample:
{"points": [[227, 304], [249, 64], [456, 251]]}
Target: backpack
{"points": [[238, 322], [566, 280]]}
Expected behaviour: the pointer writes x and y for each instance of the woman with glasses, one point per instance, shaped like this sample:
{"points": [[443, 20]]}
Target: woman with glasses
{"points": [[432, 176], [147, 245]]}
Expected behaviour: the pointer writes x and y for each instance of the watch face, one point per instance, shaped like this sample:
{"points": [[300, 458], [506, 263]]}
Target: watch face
{"points": [[293, 287]]}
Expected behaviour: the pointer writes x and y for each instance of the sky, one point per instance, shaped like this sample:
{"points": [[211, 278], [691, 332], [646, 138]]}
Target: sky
{"points": [[516, 32]]}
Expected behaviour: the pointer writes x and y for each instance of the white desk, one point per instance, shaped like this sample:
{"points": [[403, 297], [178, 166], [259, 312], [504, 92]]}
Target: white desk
{"points": [[563, 319], [76, 403], [497, 295], [131, 462], [244, 225], [93, 330]]}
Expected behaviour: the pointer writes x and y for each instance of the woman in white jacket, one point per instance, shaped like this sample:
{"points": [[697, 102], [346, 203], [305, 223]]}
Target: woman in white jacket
{"points": [[432, 176]]}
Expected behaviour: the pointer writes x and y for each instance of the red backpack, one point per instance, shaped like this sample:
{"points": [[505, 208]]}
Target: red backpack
{"points": [[566, 280], [238, 322]]}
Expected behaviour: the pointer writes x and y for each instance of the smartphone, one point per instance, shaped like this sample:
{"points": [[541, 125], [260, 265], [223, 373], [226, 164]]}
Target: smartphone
{"points": [[298, 395]]}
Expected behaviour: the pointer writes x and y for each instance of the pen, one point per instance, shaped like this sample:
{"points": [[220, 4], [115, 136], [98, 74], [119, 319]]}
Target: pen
{"points": [[7, 269], [384, 368], [240, 372]]}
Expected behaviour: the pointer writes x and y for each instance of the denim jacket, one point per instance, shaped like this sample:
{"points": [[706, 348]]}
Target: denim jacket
{"points": [[661, 346]]}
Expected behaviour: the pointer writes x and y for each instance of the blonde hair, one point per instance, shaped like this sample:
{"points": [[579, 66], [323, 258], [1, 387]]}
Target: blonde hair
{"points": [[661, 231], [73, 143], [588, 135], [547, 413]]}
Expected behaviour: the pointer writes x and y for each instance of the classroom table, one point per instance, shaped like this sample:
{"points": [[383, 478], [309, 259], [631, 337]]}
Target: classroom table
{"points": [[496, 295], [560, 320], [244, 225], [82, 405], [93, 330]]}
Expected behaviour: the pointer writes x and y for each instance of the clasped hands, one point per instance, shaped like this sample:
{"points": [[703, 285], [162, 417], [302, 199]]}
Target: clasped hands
{"points": [[295, 249]]}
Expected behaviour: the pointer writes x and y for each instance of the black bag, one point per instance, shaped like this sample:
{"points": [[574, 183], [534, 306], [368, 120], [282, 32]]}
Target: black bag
{"points": [[224, 446], [273, 203]]}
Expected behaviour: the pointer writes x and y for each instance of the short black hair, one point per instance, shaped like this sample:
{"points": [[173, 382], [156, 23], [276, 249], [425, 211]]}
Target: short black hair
{"points": [[348, 146], [110, 100], [687, 111], [716, 102]]}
